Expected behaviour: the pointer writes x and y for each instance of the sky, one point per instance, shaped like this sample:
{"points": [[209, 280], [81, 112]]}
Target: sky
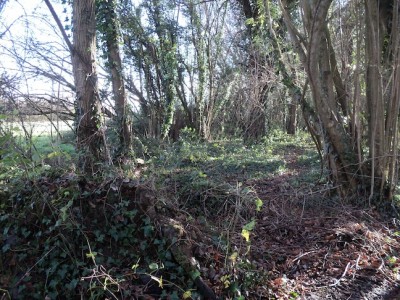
{"points": [[24, 21]]}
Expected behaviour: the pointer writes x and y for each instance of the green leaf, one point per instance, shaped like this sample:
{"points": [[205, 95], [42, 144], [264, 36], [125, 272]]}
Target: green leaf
{"points": [[153, 266], [91, 255], [147, 230], [5, 248], [246, 234], [64, 209], [202, 175], [233, 256], [187, 294], [250, 226], [250, 22], [259, 204], [194, 274]]}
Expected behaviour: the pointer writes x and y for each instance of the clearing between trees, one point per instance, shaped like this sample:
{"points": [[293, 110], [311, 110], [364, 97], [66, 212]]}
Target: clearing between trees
{"points": [[196, 220]]}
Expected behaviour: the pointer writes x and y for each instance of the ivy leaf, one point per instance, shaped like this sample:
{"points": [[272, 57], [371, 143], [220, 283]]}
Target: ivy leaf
{"points": [[194, 274], [64, 210], [187, 295], [153, 266], [246, 234], [250, 226], [259, 204]]}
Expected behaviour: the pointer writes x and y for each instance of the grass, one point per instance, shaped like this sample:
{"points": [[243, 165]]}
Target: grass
{"points": [[234, 161], [42, 140], [210, 178]]}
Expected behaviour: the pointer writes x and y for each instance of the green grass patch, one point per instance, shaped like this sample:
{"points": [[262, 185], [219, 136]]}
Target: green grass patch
{"points": [[233, 160], [211, 177]]}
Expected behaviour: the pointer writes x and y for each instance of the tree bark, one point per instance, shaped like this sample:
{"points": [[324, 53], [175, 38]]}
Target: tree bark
{"points": [[375, 103], [90, 130], [109, 27], [342, 136], [337, 146]]}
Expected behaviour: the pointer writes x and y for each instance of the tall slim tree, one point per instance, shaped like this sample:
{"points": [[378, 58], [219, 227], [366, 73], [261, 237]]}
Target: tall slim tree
{"points": [[90, 129], [108, 25]]}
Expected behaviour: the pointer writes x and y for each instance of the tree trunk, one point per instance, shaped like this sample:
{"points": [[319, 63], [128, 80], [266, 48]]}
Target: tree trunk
{"points": [[337, 146], [90, 130], [375, 103], [383, 99], [319, 65], [291, 118], [341, 146], [109, 27]]}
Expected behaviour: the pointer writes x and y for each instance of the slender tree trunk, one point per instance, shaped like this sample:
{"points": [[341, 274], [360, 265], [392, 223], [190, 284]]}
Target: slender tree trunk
{"points": [[342, 136], [109, 27], [291, 119], [320, 67], [337, 146], [375, 103], [288, 80], [90, 130], [383, 99]]}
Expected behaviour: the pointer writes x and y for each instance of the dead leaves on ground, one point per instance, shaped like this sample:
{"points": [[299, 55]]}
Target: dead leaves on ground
{"points": [[317, 247]]}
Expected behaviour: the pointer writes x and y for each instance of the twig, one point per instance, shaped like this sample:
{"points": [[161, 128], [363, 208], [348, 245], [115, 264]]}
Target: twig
{"points": [[356, 265], [327, 253], [304, 254], [31, 268], [5, 293], [344, 274]]}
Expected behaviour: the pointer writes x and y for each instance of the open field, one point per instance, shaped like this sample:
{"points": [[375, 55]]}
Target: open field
{"points": [[38, 128], [39, 139]]}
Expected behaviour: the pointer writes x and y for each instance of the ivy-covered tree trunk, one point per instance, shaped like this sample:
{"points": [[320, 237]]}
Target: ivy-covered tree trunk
{"points": [[108, 26], [255, 125], [89, 125]]}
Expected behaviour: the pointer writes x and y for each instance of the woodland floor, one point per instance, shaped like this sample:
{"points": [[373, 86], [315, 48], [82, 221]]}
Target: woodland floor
{"points": [[307, 243], [321, 248], [62, 233]]}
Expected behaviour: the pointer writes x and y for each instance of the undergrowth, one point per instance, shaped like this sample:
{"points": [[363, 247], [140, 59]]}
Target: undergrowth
{"points": [[67, 236]]}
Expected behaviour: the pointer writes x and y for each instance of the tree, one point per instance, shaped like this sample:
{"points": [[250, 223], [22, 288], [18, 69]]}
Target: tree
{"points": [[151, 49], [262, 21], [108, 26], [2, 4], [91, 143], [90, 130], [340, 134], [383, 70]]}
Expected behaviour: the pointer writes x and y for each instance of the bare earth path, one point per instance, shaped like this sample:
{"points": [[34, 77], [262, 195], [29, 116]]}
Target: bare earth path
{"points": [[316, 247]]}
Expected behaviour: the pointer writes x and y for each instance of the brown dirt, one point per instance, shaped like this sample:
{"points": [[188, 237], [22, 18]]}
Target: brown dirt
{"points": [[320, 247]]}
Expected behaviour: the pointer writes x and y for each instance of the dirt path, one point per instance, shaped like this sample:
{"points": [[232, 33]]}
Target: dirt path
{"points": [[316, 247]]}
